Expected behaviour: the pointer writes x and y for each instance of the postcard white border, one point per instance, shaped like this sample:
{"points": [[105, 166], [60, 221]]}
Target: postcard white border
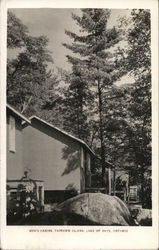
{"points": [[20, 237]]}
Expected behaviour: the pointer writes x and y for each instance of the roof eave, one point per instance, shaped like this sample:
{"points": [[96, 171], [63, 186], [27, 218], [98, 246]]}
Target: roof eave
{"points": [[18, 114], [63, 132]]}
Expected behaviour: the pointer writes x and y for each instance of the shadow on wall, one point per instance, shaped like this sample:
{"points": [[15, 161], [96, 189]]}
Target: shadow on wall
{"points": [[73, 159]]}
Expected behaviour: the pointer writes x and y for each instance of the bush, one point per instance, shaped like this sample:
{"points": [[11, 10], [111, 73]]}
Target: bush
{"points": [[146, 194], [24, 204]]}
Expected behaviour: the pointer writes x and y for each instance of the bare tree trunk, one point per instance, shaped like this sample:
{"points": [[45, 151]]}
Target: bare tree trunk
{"points": [[92, 139], [25, 105], [114, 180], [78, 124], [101, 133]]}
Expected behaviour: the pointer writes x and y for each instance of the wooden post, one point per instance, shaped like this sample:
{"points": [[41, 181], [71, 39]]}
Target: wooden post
{"points": [[109, 181], [125, 195], [127, 187], [114, 181]]}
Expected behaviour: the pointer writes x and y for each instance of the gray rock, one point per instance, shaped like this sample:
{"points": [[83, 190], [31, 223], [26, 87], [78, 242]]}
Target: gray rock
{"points": [[95, 208], [144, 217]]}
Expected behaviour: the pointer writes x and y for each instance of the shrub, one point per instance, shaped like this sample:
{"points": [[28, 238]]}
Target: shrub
{"points": [[24, 204]]}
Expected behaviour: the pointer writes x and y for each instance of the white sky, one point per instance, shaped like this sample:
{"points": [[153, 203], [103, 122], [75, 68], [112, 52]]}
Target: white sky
{"points": [[52, 23]]}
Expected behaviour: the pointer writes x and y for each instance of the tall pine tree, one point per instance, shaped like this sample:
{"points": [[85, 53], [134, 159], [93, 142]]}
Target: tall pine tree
{"points": [[93, 46], [75, 111]]}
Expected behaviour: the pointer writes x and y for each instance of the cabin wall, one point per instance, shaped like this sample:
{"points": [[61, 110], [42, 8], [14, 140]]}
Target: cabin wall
{"points": [[15, 159], [52, 157]]}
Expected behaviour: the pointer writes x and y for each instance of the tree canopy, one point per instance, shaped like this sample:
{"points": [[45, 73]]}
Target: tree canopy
{"points": [[27, 73]]}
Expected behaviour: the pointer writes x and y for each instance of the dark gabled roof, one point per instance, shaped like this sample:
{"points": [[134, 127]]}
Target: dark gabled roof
{"points": [[18, 114], [62, 132]]}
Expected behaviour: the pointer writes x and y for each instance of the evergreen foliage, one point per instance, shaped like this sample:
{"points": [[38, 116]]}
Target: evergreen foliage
{"points": [[27, 74], [137, 61], [92, 47]]}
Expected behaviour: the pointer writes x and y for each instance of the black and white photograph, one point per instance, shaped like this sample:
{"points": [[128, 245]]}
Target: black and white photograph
{"points": [[79, 117]]}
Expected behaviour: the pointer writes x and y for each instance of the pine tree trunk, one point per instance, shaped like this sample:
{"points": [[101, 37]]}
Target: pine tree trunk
{"points": [[101, 133], [78, 124], [142, 189], [114, 181]]}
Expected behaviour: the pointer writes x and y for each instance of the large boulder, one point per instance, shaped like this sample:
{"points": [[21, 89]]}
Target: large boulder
{"points": [[94, 208], [85, 209]]}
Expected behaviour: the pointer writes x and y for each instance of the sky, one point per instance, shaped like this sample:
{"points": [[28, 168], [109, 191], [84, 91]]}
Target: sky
{"points": [[53, 23]]}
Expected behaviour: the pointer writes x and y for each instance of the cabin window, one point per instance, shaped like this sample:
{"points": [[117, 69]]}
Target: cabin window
{"points": [[11, 134]]}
